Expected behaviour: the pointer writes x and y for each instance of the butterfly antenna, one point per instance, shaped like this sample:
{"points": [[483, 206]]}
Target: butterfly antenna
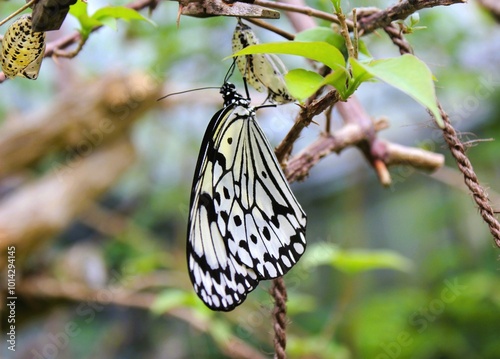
{"points": [[187, 91], [246, 88], [230, 71]]}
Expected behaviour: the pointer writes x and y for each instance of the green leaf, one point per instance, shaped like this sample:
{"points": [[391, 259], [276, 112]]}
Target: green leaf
{"points": [[322, 34], [336, 5], [79, 11], [303, 83], [104, 16], [316, 50], [354, 260], [119, 12], [319, 254], [338, 80], [363, 52], [408, 74]]}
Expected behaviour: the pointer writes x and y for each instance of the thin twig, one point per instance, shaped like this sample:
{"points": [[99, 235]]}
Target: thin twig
{"points": [[265, 25], [70, 54], [344, 31], [353, 134], [18, 11], [306, 10], [355, 34]]}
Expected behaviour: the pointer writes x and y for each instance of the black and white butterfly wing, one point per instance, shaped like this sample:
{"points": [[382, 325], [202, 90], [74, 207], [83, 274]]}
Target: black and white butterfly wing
{"points": [[245, 223]]}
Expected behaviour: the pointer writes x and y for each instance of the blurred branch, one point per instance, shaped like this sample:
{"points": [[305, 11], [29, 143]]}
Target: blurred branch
{"points": [[87, 126], [351, 135], [81, 119], [492, 6], [46, 206], [45, 287]]}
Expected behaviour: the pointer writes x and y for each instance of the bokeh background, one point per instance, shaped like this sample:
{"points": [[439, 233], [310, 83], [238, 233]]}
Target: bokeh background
{"points": [[408, 271]]}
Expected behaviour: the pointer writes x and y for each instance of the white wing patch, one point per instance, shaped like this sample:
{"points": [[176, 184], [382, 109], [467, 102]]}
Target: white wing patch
{"points": [[22, 49], [245, 224], [262, 71]]}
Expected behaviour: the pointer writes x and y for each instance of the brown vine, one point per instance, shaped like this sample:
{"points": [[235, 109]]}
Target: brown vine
{"points": [[479, 194], [278, 292], [457, 150]]}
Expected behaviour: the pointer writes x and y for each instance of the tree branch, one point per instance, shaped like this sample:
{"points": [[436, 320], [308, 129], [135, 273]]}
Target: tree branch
{"points": [[304, 118], [351, 135], [77, 122], [399, 11], [89, 132]]}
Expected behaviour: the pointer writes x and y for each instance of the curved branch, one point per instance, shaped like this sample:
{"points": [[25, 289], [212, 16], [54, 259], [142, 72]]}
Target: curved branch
{"points": [[353, 134], [400, 11]]}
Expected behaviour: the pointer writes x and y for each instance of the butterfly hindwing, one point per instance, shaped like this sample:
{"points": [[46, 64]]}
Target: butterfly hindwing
{"points": [[245, 223], [218, 279]]}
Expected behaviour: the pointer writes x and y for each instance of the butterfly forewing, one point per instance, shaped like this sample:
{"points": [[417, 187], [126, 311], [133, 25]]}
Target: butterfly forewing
{"points": [[245, 223]]}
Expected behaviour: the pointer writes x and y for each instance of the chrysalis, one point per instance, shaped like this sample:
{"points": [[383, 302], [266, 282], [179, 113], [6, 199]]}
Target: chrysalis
{"points": [[262, 71], [22, 49]]}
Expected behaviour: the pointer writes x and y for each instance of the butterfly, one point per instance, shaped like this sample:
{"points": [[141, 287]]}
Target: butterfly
{"points": [[261, 71], [245, 224], [22, 49]]}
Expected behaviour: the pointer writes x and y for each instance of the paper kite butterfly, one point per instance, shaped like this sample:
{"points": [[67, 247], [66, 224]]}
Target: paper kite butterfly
{"points": [[245, 224]]}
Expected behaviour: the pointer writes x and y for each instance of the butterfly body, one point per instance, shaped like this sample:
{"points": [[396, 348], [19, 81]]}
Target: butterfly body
{"points": [[245, 223]]}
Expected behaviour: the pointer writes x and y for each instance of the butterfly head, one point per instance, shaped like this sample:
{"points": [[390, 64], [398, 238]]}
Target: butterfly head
{"points": [[231, 96]]}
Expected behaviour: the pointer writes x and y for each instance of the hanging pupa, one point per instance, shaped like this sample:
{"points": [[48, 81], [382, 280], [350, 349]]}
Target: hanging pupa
{"points": [[261, 71], [22, 50]]}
